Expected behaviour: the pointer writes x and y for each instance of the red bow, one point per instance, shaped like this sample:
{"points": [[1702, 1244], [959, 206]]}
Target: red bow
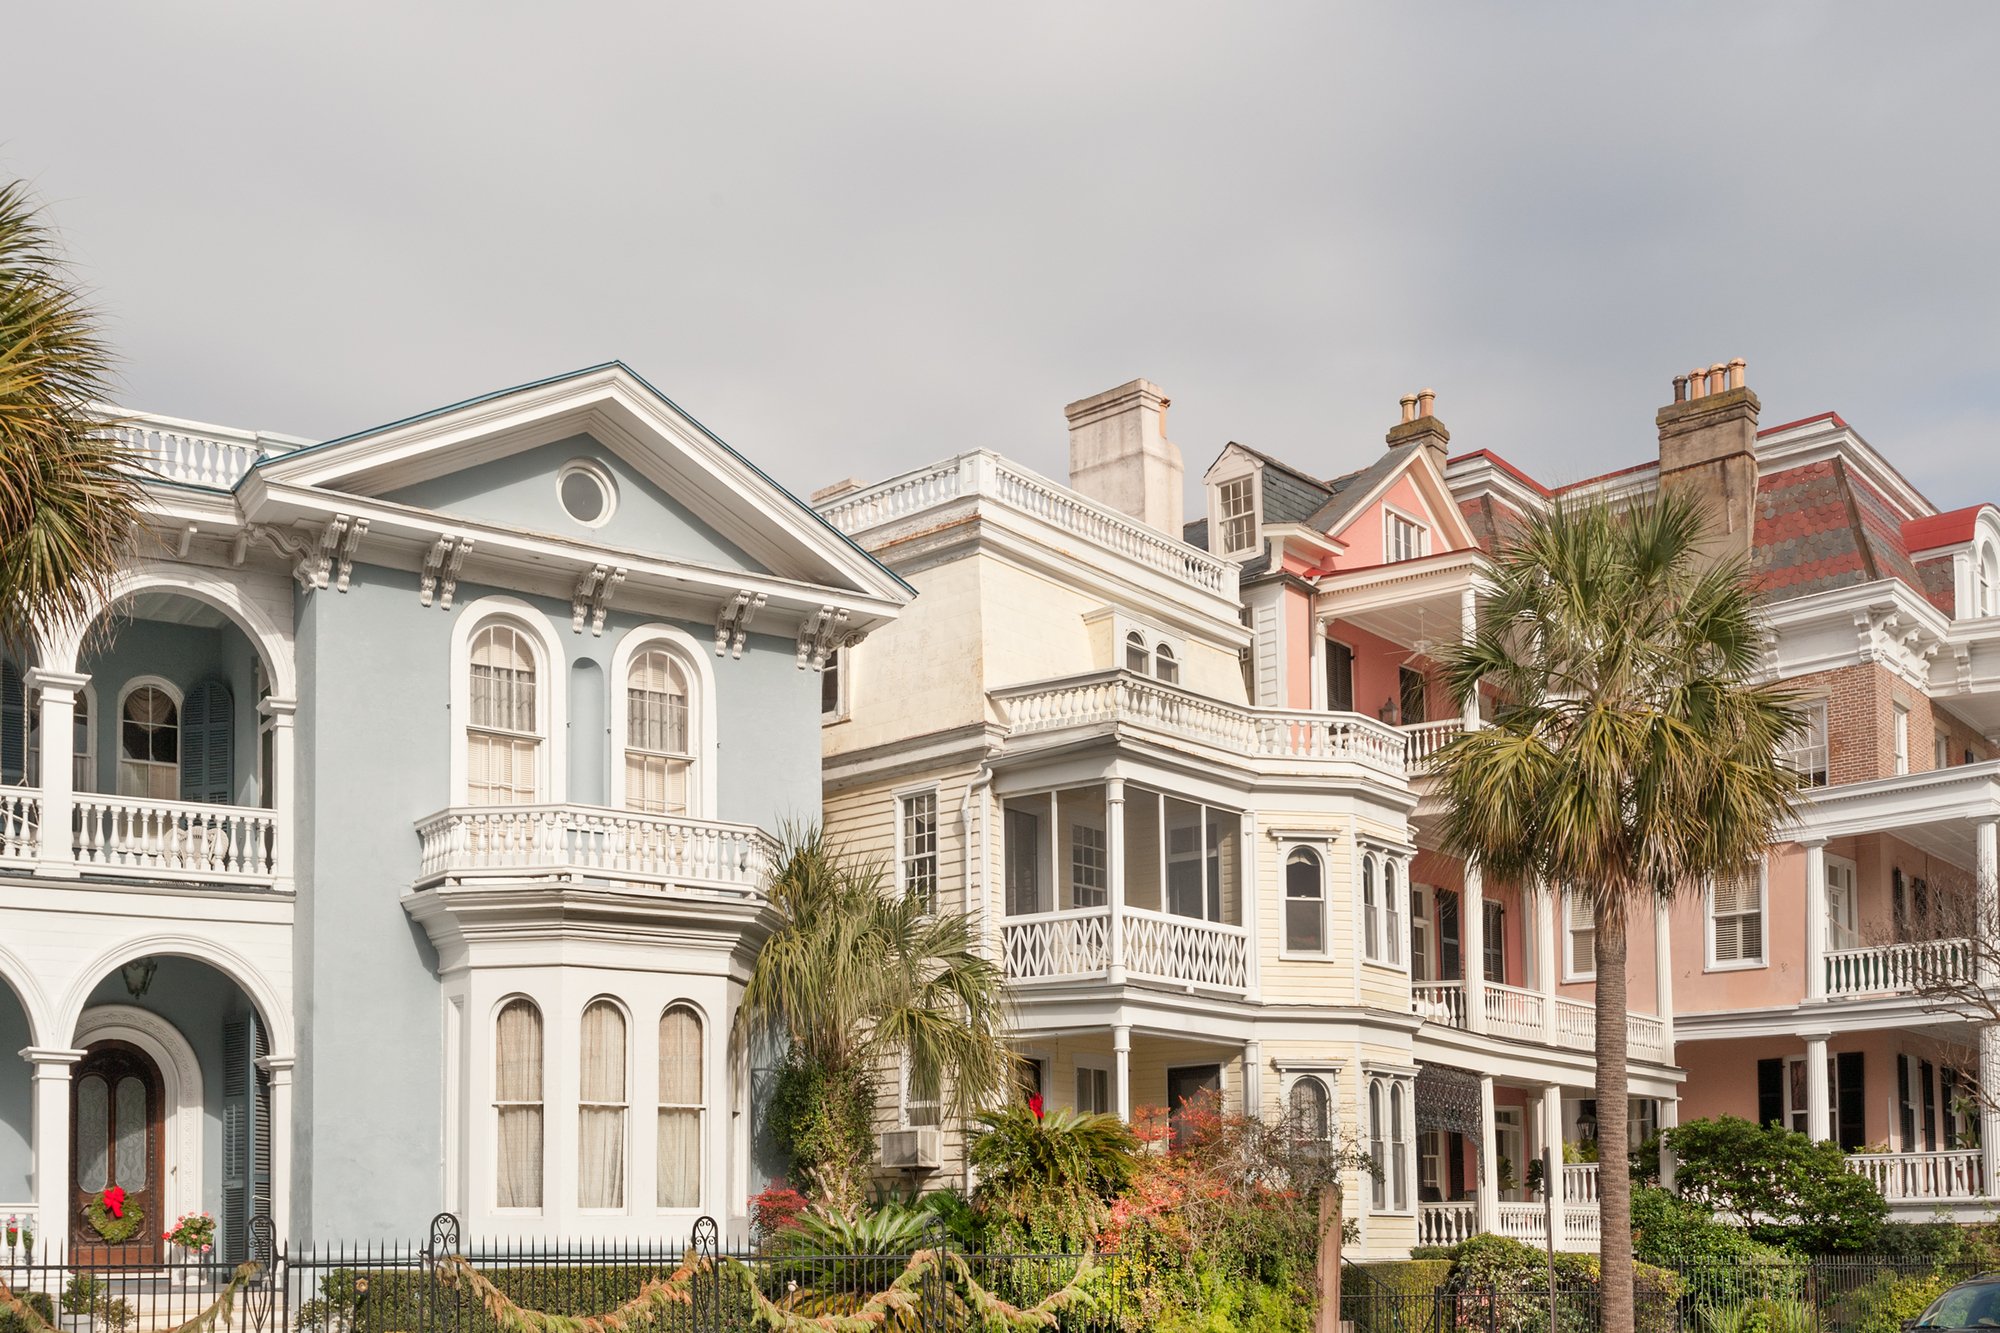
{"points": [[1035, 1106], [114, 1199]]}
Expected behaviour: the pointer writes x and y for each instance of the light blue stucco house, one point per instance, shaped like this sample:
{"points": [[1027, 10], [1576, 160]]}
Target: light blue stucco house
{"points": [[395, 838]]}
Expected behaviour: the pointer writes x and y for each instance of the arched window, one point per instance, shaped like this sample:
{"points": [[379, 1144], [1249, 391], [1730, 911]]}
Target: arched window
{"points": [[503, 734], [1399, 1150], [1378, 1144], [517, 1094], [85, 745], [1371, 911], [149, 743], [1165, 666], [1310, 1109], [1136, 657], [1392, 913], [659, 750], [1988, 579], [1305, 902], [680, 1108], [600, 1139]]}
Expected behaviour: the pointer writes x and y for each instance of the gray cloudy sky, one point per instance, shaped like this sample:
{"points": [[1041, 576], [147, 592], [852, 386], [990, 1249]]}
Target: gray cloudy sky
{"points": [[854, 238]]}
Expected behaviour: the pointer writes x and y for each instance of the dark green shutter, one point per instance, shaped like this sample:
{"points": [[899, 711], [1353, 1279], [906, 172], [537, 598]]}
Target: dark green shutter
{"points": [[238, 1047], [1770, 1092], [1494, 942], [1928, 1077], [1950, 1110], [208, 750], [1906, 1112], [13, 725], [1451, 965], [1847, 1078]]}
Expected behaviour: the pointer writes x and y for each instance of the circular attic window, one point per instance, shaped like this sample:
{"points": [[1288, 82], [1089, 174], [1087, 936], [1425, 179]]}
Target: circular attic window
{"points": [[587, 493]]}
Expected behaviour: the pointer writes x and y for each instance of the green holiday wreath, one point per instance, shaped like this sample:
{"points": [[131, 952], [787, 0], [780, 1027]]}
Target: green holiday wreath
{"points": [[115, 1230]]}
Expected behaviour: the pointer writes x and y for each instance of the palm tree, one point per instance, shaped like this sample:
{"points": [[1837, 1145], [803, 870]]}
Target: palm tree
{"points": [[1632, 755], [858, 979], [67, 497]]}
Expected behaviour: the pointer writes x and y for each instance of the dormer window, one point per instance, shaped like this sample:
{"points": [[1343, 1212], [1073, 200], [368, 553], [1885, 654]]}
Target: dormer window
{"points": [[1986, 580], [1136, 656], [1236, 509], [1165, 667], [1404, 538], [1148, 653]]}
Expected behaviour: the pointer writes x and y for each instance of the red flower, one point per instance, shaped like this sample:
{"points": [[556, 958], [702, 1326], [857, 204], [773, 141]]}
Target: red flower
{"points": [[1035, 1106], [114, 1199]]}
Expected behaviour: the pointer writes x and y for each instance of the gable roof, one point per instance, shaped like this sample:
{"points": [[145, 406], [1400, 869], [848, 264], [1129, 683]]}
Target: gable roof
{"points": [[629, 416]]}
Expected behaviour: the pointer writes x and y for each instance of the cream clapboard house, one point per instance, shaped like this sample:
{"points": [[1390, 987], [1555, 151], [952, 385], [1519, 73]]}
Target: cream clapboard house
{"points": [[1123, 755]]}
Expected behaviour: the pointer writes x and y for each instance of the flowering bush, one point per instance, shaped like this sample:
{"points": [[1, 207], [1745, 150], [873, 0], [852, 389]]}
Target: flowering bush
{"points": [[775, 1210], [1046, 1178], [195, 1231]]}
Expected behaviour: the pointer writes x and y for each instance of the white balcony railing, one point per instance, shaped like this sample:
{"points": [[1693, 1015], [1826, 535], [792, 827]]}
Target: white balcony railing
{"points": [[1121, 698], [174, 839], [1447, 1223], [20, 824], [1897, 967], [1513, 1012], [1440, 1002], [1905, 1177], [1578, 1225], [1576, 1028], [195, 454], [1185, 950], [986, 476], [1057, 945], [1580, 1182], [1427, 738], [1076, 945], [591, 843]]}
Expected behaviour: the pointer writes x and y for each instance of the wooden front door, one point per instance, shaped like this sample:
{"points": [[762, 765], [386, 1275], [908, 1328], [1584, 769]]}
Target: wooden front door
{"points": [[117, 1137]]}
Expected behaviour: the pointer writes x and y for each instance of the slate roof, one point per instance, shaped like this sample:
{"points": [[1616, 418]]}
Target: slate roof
{"points": [[1819, 527]]}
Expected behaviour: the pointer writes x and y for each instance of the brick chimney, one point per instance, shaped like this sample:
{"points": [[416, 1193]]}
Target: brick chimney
{"points": [[1119, 454], [1708, 442], [1420, 427]]}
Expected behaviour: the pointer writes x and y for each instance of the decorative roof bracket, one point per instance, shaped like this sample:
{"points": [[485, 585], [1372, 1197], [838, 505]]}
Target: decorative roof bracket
{"points": [[593, 597], [732, 622]]}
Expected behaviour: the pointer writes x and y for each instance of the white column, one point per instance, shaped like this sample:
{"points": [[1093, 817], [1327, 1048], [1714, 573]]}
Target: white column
{"points": [[1468, 622], [1815, 917], [1819, 1117], [1253, 1078], [1489, 1160], [1986, 877], [1989, 1114], [1114, 870], [58, 723], [1663, 979], [1121, 1070], [280, 1069], [1472, 945], [1552, 1145], [53, 1189], [1670, 1116], [284, 816], [1246, 895], [1550, 947]]}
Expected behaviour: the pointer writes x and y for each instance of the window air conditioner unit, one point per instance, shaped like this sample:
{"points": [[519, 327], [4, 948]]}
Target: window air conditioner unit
{"points": [[912, 1149]]}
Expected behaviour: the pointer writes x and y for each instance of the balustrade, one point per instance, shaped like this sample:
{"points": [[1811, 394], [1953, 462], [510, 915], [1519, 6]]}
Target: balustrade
{"points": [[1904, 1177], [1186, 950], [1897, 967], [174, 839], [1121, 698], [591, 843], [1425, 739], [1580, 1182], [183, 456], [1447, 1223], [1513, 1012], [1057, 945], [20, 823]]}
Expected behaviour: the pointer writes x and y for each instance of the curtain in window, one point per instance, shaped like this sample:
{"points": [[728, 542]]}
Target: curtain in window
{"points": [[600, 1142], [1304, 903], [1311, 1112], [658, 752], [1392, 912], [518, 1093], [503, 737], [680, 1110], [149, 745], [1378, 1146]]}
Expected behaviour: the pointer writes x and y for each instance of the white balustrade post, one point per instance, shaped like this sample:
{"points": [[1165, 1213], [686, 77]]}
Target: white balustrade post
{"points": [[280, 1069], [1552, 1144], [1489, 1159], [284, 817], [1663, 979], [1121, 1071], [1815, 918], [1114, 871], [1549, 944], [54, 1192], [56, 856], [1472, 931], [1819, 1118]]}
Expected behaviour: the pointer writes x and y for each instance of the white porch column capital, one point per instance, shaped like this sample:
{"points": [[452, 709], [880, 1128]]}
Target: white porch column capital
{"points": [[280, 711], [44, 681], [279, 1067], [55, 852], [51, 1061]]}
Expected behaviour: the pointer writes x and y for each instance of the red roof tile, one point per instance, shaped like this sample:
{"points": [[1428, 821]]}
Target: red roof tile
{"points": [[1927, 534]]}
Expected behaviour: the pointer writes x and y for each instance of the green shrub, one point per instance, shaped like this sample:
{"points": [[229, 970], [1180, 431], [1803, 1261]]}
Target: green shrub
{"points": [[1883, 1305], [1515, 1278], [1799, 1192], [1762, 1315], [1940, 1242]]}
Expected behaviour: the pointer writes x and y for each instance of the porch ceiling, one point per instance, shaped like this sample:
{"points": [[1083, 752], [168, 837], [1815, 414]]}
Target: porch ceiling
{"points": [[1935, 811], [1415, 602]]}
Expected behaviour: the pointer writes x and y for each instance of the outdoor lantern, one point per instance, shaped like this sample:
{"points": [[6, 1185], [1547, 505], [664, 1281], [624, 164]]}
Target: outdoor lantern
{"points": [[1586, 1127], [1387, 712], [139, 975]]}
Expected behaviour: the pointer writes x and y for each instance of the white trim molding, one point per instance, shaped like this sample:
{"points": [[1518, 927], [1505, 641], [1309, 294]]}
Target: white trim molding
{"points": [[181, 1090], [551, 693], [702, 732]]}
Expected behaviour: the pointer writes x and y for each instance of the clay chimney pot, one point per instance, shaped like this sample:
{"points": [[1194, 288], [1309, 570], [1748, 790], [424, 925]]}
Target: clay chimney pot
{"points": [[1736, 373], [1409, 401], [1680, 388], [1425, 397]]}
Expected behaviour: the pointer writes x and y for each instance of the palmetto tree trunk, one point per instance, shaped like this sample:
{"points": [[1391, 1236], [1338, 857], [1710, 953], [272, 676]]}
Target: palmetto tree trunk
{"points": [[1614, 1174]]}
